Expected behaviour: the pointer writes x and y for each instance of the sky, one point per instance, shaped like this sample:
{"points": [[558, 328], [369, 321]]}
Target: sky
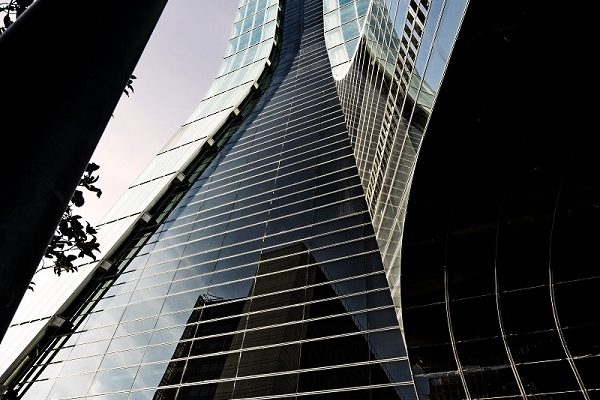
{"points": [[173, 74]]}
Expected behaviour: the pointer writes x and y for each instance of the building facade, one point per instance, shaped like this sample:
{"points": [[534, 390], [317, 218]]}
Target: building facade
{"points": [[271, 249], [499, 272]]}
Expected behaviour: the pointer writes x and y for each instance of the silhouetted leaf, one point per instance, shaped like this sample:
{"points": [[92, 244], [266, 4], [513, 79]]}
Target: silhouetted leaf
{"points": [[77, 198], [63, 225], [91, 167], [89, 229], [96, 190]]}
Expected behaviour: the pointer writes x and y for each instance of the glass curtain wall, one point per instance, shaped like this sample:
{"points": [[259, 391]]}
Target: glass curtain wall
{"points": [[500, 265], [394, 56], [246, 58], [258, 276]]}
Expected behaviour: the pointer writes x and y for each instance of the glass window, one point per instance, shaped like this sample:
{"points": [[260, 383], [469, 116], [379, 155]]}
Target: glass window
{"points": [[334, 378], [167, 335], [143, 310], [71, 386], [334, 37], [79, 365], [109, 381], [350, 30], [128, 342], [329, 5], [386, 344], [89, 349], [327, 352], [150, 375], [122, 358], [207, 368], [128, 328]]}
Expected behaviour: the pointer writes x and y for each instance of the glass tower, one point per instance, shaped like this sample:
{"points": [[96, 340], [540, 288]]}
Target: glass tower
{"points": [[243, 262], [271, 249]]}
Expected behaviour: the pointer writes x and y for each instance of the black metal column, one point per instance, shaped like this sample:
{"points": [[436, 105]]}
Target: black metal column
{"points": [[63, 67]]}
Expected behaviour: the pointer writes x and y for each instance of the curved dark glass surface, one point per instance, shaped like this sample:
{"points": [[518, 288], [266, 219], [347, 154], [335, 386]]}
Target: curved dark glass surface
{"points": [[500, 275], [263, 280]]}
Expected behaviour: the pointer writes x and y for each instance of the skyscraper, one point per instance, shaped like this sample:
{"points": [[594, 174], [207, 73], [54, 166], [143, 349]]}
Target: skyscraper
{"points": [[272, 250]]}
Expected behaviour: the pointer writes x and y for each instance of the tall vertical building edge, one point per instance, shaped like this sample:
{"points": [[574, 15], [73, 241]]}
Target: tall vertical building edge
{"points": [[376, 199]]}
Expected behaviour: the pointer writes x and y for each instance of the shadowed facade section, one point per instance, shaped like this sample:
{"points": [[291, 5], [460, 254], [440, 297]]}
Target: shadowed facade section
{"points": [[500, 277]]}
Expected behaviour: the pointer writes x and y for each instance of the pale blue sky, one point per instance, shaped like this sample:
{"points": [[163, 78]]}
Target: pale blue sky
{"points": [[173, 74]]}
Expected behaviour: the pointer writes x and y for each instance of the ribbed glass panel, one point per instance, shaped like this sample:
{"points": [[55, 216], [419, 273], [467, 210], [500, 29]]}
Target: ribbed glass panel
{"points": [[387, 93], [259, 278], [240, 69], [387, 87], [344, 22]]}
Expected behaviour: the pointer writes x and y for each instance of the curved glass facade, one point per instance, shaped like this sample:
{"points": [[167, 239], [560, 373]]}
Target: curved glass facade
{"points": [[387, 91], [256, 276], [344, 22], [247, 56], [272, 250], [500, 275]]}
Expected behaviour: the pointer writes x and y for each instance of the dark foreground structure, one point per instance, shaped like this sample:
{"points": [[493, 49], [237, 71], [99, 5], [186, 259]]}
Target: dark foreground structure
{"points": [[315, 243], [63, 74]]}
